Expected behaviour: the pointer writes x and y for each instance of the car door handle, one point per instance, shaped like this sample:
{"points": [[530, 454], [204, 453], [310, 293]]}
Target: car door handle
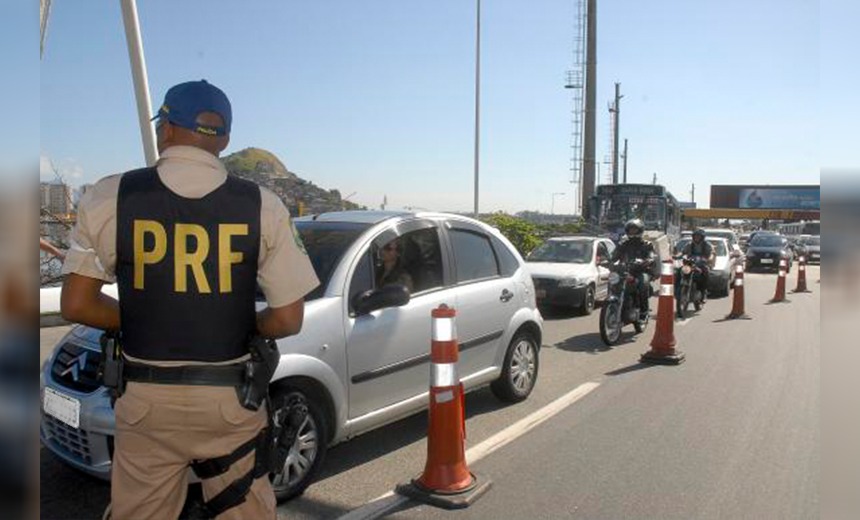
{"points": [[506, 296]]}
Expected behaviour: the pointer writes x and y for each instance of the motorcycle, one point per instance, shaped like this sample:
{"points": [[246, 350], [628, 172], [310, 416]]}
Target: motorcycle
{"points": [[687, 271], [622, 307]]}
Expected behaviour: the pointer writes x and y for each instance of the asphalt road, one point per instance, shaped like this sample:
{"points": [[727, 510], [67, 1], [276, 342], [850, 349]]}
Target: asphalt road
{"points": [[731, 433]]}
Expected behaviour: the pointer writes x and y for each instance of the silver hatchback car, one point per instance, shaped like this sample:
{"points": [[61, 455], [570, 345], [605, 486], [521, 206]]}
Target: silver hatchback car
{"points": [[362, 358]]}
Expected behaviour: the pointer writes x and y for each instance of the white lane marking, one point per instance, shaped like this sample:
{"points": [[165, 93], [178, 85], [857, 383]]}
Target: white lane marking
{"points": [[512, 432], [385, 504]]}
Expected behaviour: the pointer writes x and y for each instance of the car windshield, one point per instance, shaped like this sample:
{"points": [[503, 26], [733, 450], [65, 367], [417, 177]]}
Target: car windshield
{"points": [[718, 245], [325, 243], [767, 241], [563, 251], [811, 241]]}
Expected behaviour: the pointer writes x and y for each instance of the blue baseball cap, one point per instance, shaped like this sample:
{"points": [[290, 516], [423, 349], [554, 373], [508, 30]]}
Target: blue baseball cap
{"points": [[185, 101]]}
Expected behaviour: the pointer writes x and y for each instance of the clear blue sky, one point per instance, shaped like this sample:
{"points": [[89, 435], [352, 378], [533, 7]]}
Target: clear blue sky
{"points": [[376, 97]]}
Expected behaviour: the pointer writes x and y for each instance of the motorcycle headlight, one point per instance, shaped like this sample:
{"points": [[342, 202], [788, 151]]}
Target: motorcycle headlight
{"points": [[686, 269], [614, 278], [569, 282]]}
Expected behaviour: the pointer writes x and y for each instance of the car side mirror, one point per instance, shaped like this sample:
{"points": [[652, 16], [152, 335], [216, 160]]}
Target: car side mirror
{"points": [[394, 295]]}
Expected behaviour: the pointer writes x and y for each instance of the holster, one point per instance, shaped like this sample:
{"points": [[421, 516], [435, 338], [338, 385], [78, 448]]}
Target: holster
{"points": [[111, 365], [259, 370]]}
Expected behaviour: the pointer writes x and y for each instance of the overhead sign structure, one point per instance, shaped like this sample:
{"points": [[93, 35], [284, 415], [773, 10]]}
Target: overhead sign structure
{"points": [[802, 198]]}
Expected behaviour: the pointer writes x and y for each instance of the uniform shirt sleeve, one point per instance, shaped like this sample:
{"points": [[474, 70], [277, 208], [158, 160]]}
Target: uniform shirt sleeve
{"points": [[285, 272], [92, 244]]}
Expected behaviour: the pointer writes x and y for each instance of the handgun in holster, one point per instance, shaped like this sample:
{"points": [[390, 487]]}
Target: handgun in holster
{"points": [[110, 368], [259, 370]]}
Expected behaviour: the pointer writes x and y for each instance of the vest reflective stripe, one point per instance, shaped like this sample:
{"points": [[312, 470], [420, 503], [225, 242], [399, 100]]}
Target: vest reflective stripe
{"points": [[186, 269]]}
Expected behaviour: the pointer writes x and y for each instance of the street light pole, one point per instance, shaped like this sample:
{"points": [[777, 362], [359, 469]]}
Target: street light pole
{"points": [[552, 206], [477, 97]]}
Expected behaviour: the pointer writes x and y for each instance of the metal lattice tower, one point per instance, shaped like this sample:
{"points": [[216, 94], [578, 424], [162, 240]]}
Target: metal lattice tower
{"points": [[576, 83]]}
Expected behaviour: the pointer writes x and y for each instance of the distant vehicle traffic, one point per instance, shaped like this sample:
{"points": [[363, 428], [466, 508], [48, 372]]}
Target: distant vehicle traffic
{"points": [[566, 271], [811, 227], [362, 359]]}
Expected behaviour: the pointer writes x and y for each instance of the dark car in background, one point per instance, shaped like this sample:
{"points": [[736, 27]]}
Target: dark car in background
{"points": [[810, 246], [765, 250]]}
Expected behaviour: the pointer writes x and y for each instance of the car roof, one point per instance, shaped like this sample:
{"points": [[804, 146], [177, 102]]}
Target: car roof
{"points": [[357, 216], [580, 238]]}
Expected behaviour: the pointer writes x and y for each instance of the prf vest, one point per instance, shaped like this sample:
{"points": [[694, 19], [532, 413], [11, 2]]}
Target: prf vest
{"points": [[186, 269]]}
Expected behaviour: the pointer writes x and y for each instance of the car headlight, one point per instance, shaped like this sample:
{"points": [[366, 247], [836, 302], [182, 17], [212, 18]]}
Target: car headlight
{"points": [[569, 282]]}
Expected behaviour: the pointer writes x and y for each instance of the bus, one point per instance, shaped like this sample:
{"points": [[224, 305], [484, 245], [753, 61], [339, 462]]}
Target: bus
{"points": [[615, 204], [809, 227]]}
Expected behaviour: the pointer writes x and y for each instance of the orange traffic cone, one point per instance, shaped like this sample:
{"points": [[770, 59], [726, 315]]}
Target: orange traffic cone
{"points": [[779, 295], [801, 276], [663, 344], [738, 301], [446, 481]]}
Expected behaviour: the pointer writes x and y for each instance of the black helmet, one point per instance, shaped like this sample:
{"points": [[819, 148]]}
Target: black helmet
{"points": [[634, 228], [699, 233]]}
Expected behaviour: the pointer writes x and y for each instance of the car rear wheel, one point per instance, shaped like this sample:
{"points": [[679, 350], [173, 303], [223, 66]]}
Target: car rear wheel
{"points": [[520, 370], [307, 452]]}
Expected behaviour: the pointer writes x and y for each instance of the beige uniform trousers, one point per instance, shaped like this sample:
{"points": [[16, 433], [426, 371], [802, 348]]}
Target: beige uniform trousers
{"points": [[160, 429]]}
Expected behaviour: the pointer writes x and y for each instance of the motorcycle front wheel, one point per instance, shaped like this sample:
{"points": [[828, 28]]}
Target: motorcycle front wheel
{"points": [[610, 323], [684, 301]]}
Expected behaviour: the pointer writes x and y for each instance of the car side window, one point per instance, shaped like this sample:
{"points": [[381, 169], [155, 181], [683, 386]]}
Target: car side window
{"points": [[473, 255], [602, 252], [362, 277], [422, 259], [508, 264]]}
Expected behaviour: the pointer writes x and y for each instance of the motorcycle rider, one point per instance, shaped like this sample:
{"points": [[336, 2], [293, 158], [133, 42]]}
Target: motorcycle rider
{"points": [[634, 248], [701, 250]]}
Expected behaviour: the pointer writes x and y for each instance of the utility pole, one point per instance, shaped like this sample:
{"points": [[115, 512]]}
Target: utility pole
{"points": [[589, 135], [477, 98], [625, 160], [616, 117]]}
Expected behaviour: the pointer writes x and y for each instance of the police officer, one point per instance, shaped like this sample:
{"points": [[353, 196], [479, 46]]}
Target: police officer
{"points": [[701, 249], [634, 248], [187, 245]]}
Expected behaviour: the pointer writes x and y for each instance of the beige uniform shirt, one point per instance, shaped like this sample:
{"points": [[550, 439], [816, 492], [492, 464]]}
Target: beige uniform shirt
{"points": [[284, 271]]}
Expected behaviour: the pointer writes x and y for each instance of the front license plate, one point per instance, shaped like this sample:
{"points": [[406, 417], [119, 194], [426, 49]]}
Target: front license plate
{"points": [[63, 407], [540, 293], [767, 260]]}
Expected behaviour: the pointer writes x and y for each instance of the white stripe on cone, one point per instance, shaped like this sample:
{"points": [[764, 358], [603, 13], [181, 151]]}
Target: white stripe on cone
{"points": [[443, 329], [739, 282], [667, 269], [667, 290], [443, 374]]}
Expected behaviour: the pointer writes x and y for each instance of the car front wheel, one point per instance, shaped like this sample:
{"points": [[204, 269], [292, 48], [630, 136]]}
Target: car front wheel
{"points": [[520, 370], [308, 451]]}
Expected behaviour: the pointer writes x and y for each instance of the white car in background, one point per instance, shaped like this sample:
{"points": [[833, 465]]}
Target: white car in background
{"points": [[566, 271]]}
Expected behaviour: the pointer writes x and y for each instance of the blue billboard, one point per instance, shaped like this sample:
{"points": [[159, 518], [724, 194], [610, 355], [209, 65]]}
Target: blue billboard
{"points": [[780, 198]]}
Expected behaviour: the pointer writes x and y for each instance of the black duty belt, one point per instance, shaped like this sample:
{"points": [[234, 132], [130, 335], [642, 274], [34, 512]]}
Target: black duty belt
{"points": [[209, 375]]}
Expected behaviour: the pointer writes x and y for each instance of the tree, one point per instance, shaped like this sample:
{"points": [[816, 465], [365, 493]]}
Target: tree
{"points": [[522, 234]]}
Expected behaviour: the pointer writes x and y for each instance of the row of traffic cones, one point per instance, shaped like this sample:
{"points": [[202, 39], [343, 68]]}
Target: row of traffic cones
{"points": [[447, 481]]}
